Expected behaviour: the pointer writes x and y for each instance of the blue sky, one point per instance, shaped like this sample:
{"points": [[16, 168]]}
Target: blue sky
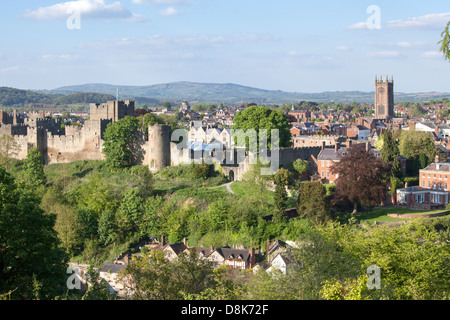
{"points": [[290, 45]]}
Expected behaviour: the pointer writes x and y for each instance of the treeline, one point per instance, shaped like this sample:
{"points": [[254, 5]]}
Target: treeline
{"points": [[11, 97]]}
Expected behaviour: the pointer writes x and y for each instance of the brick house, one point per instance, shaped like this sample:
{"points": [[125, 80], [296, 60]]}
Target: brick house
{"points": [[433, 190], [328, 157]]}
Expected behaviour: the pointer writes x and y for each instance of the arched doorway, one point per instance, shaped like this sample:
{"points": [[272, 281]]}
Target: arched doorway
{"points": [[231, 176]]}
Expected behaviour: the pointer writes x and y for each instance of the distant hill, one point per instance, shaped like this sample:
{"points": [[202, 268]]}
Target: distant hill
{"points": [[234, 93], [11, 97]]}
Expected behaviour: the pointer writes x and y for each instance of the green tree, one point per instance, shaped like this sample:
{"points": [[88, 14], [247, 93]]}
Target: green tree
{"points": [[390, 153], [301, 166], [256, 182], [282, 179], [412, 145], [32, 263], [107, 227], [164, 280], [259, 118], [361, 178], [130, 211], [413, 257], [445, 42], [95, 195], [119, 139], [312, 202], [34, 168]]}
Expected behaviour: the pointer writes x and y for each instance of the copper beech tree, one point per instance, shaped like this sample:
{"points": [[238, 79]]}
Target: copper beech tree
{"points": [[362, 178]]}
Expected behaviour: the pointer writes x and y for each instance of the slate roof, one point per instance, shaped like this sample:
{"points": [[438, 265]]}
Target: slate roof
{"points": [[234, 253], [443, 166], [333, 155]]}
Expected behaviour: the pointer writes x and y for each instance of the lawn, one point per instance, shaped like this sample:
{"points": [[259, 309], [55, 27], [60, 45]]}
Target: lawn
{"points": [[381, 215]]}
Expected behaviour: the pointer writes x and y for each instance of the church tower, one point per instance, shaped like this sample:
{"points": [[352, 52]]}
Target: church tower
{"points": [[384, 98]]}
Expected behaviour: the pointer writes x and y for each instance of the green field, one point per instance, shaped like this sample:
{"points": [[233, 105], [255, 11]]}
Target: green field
{"points": [[381, 215]]}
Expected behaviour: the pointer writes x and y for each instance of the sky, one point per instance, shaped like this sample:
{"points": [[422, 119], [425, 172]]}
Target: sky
{"points": [[289, 45]]}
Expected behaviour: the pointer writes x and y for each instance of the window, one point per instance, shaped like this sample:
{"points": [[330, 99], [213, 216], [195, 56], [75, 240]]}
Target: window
{"points": [[328, 174], [440, 176], [423, 184], [420, 198], [436, 198], [323, 174], [428, 184]]}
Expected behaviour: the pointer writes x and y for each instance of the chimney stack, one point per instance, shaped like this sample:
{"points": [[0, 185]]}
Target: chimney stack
{"points": [[323, 144], [185, 242], [349, 144], [163, 240], [368, 146], [337, 146]]}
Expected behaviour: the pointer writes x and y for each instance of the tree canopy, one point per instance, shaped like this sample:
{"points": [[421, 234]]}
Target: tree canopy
{"points": [[361, 177], [260, 118], [32, 264], [119, 142], [445, 42]]}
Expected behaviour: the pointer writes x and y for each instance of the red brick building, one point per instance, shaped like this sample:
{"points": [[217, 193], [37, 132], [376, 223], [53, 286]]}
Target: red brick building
{"points": [[433, 190]]}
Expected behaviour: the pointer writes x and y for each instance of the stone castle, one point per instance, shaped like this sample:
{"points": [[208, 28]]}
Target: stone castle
{"points": [[156, 148]]}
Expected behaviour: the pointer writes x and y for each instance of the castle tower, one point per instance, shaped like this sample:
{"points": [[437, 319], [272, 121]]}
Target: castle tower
{"points": [[384, 98], [112, 110], [159, 137]]}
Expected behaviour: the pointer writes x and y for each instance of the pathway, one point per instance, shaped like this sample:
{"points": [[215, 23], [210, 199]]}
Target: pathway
{"points": [[227, 185]]}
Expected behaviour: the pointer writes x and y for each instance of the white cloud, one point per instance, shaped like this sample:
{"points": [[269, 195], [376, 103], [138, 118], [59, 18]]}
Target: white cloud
{"points": [[163, 2], [9, 69], [434, 20], [342, 48], [432, 54], [171, 42], [89, 9], [384, 54], [358, 26], [429, 21], [170, 11]]}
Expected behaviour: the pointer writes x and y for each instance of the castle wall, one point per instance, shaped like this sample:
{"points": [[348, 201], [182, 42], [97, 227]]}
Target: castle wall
{"points": [[83, 143], [13, 129]]}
